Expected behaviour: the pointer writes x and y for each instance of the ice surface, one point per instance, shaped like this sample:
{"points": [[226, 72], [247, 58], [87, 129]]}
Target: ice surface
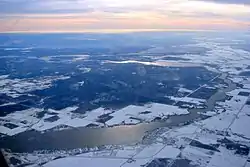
{"points": [[218, 123], [137, 162], [240, 126], [150, 151], [127, 114], [168, 151], [127, 151], [189, 100], [226, 158], [197, 156], [184, 90], [88, 162]]}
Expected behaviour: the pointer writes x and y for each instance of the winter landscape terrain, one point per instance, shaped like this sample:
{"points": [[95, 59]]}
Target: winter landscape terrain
{"points": [[152, 99]]}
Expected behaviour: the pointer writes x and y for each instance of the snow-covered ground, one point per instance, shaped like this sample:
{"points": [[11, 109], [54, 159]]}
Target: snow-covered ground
{"points": [[27, 119], [67, 58], [223, 140], [134, 114], [220, 141], [191, 100], [162, 63], [17, 87], [226, 58]]}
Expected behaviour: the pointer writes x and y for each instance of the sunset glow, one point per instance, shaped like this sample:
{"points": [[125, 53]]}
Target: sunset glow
{"points": [[103, 15]]}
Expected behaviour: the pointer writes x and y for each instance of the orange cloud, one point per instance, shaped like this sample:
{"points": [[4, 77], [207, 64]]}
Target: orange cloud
{"points": [[103, 21]]}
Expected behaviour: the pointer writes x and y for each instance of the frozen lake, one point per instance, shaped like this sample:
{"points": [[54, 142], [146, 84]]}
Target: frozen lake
{"points": [[30, 141]]}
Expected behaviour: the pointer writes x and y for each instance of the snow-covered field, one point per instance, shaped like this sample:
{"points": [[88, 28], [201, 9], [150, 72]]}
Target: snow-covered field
{"points": [[135, 114], [222, 140], [17, 87], [128, 115]]}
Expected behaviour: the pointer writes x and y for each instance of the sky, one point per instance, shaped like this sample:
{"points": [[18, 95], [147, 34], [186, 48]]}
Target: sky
{"points": [[123, 15]]}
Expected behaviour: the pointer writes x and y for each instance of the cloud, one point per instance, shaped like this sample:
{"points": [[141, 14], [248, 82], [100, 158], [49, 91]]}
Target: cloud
{"points": [[44, 6], [247, 2], [80, 6], [99, 21], [117, 6], [143, 14]]}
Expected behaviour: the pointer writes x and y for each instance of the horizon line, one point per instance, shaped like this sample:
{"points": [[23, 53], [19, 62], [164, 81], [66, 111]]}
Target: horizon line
{"points": [[113, 31]]}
